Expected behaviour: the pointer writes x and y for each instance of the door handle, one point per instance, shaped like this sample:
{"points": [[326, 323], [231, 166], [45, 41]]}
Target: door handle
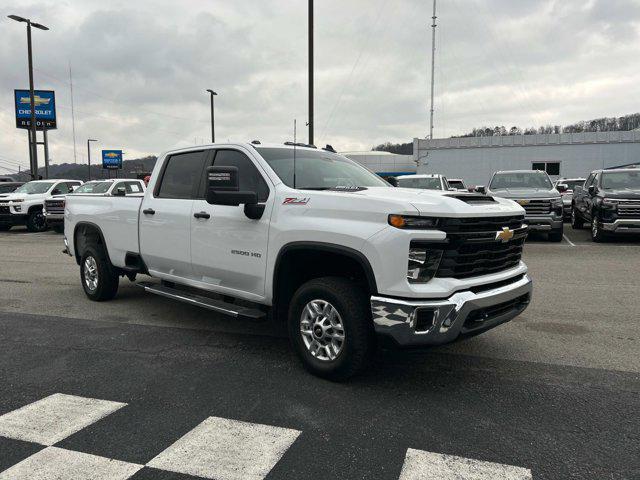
{"points": [[148, 211], [202, 215]]}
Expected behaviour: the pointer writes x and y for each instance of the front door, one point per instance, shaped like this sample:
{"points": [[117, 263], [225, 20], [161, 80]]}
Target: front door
{"points": [[228, 249], [165, 216]]}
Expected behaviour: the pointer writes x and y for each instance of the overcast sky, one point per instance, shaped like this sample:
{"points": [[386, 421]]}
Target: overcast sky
{"points": [[141, 67]]}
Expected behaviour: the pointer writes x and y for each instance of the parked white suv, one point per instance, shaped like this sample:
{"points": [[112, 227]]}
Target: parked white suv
{"points": [[25, 205], [54, 206], [312, 239]]}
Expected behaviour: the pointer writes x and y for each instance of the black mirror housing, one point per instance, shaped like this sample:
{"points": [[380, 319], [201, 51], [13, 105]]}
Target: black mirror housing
{"points": [[223, 188], [561, 187], [592, 190], [481, 189], [119, 192]]}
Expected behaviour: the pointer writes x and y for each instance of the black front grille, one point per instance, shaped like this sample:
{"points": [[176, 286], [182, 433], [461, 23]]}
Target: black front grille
{"points": [[536, 207], [472, 247], [54, 206], [629, 208]]}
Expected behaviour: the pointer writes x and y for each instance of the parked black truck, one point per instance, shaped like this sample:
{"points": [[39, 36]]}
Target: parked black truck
{"points": [[610, 201]]}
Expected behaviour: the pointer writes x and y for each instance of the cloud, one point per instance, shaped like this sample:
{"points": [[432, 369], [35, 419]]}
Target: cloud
{"points": [[141, 69]]}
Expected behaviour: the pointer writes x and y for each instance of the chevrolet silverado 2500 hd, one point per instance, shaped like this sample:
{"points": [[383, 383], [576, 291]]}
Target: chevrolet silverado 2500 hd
{"points": [[312, 239]]}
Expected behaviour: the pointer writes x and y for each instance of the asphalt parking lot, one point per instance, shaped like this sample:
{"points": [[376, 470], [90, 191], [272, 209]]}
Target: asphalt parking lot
{"points": [[554, 394]]}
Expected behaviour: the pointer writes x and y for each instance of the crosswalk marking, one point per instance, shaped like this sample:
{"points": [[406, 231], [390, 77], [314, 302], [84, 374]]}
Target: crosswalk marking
{"points": [[422, 465], [223, 449], [54, 463], [54, 418]]}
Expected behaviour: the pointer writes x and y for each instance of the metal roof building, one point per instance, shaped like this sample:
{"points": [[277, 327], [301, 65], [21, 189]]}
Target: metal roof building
{"points": [[562, 155], [384, 163]]}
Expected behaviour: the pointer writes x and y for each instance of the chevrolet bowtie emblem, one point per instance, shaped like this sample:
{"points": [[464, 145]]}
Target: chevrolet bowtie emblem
{"points": [[504, 235], [523, 202]]}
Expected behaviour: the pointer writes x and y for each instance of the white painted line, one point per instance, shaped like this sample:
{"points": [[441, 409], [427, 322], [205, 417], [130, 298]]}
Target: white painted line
{"points": [[56, 464], [422, 465], [569, 241], [54, 418], [223, 449]]}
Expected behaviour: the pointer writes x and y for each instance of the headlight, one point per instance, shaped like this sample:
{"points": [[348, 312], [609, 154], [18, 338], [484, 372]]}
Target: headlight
{"points": [[611, 203], [412, 223], [556, 202], [423, 264], [17, 201]]}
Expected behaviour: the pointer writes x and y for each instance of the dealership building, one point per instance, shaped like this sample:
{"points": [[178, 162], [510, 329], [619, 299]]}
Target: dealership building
{"points": [[475, 159]]}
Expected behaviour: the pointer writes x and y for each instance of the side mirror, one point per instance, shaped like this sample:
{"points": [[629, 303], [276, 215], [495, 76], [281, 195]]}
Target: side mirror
{"points": [[592, 190], [562, 187], [223, 188], [481, 189], [119, 192], [56, 191]]}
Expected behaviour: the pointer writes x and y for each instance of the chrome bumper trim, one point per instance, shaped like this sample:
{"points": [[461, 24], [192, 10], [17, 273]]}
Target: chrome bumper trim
{"points": [[399, 318], [623, 225]]}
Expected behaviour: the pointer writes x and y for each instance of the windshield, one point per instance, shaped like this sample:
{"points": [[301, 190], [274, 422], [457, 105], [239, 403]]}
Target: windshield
{"points": [[94, 187], [424, 183], [520, 180], [621, 180], [571, 184], [34, 187], [7, 187], [319, 170]]}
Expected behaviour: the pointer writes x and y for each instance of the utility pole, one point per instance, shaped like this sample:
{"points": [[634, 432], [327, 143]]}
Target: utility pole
{"points": [[310, 15], [213, 128], [89, 155], [33, 146], [73, 117], [433, 63]]}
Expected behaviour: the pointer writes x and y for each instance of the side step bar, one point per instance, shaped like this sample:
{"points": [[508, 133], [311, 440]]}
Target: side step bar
{"points": [[230, 309]]}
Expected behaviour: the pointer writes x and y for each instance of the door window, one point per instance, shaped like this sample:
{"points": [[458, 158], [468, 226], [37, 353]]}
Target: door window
{"points": [[249, 177], [181, 175], [133, 187]]}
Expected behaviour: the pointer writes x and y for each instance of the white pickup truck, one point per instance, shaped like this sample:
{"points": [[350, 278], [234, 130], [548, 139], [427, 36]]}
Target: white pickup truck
{"points": [[308, 237]]}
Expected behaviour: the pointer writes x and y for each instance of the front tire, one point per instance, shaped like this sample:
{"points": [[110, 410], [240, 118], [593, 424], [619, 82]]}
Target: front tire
{"points": [[576, 221], [36, 222], [330, 327], [99, 280]]}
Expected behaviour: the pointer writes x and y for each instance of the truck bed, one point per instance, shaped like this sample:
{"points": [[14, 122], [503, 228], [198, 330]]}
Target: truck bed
{"points": [[117, 218]]}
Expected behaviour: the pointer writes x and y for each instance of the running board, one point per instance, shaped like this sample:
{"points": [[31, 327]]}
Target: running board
{"points": [[230, 309]]}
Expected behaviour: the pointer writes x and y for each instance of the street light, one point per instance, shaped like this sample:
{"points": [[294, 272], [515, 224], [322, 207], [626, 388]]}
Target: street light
{"points": [[89, 155], [213, 130], [33, 146]]}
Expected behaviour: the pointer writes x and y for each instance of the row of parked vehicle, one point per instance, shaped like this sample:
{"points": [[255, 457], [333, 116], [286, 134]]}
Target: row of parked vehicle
{"points": [[609, 200], [40, 204]]}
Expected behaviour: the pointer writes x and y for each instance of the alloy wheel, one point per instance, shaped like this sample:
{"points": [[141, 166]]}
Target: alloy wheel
{"points": [[91, 273], [322, 330]]}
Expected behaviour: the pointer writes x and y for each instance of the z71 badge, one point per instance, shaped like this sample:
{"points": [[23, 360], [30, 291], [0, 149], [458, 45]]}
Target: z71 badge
{"points": [[296, 201]]}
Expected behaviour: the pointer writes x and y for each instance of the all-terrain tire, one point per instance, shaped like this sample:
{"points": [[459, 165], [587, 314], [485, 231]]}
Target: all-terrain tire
{"points": [[98, 277], [351, 303], [36, 221]]}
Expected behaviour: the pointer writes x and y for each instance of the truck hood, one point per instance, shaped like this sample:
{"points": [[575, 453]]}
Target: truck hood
{"points": [[426, 202], [621, 194], [525, 193], [16, 196]]}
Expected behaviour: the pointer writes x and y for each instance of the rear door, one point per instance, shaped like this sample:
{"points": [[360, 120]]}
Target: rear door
{"points": [[165, 216], [228, 249]]}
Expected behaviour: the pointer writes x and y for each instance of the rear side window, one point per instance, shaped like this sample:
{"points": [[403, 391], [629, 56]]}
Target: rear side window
{"points": [[248, 175], [182, 173]]}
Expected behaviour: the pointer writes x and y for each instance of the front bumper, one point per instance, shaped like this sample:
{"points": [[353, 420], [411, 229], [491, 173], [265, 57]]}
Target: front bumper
{"points": [[54, 218], [623, 225], [544, 223], [434, 322]]}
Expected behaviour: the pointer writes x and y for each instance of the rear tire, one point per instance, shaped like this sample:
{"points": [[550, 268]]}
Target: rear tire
{"points": [[98, 277], [334, 313], [576, 221], [36, 221]]}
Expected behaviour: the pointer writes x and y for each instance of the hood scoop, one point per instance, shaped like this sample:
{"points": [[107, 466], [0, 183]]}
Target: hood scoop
{"points": [[472, 199]]}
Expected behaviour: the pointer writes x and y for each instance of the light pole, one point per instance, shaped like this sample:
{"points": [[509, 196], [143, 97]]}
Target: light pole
{"points": [[33, 146], [310, 46], [89, 155], [213, 129]]}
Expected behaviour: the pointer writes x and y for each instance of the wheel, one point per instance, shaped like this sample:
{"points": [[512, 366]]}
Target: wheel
{"points": [[597, 234], [5, 227], [58, 228], [99, 280], [36, 221], [576, 221], [330, 327], [556, 235]]}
